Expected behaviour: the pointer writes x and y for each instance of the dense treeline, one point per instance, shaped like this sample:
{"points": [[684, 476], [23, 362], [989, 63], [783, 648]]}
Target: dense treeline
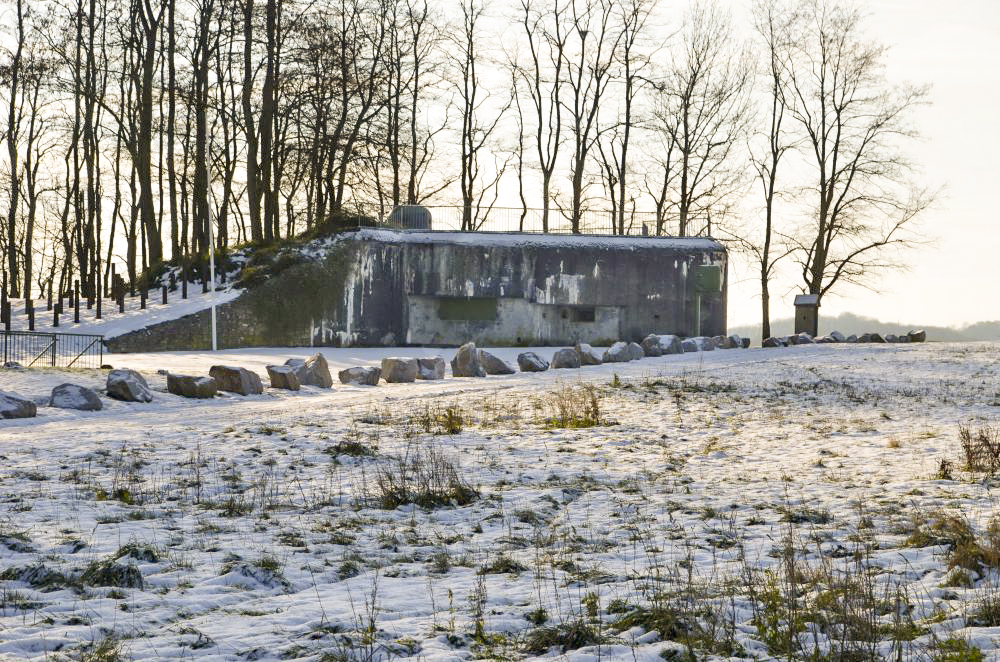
{"points": [[135, 131]]}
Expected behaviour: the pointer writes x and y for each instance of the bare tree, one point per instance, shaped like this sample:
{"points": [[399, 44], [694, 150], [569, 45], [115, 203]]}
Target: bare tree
{"points": [[148, 28], [519, 150], [633, 64], [772, 19], [36, 144], [589, 71], [171, 49], [203, 47], [348, 45], [476, 131], [704, 107], [852, 122], [11, 75], [544, 77], [659, 188]]}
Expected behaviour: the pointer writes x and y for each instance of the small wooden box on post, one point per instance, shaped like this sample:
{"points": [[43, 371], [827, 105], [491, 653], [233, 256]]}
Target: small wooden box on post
{"points": [[807, 314]]}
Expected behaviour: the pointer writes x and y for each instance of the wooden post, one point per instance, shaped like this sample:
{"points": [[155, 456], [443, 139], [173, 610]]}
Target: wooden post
{"points": [[76, 302], [121, 300], [31, 316], [99, 299], [55, 314], [142, 298], [164, 292]]}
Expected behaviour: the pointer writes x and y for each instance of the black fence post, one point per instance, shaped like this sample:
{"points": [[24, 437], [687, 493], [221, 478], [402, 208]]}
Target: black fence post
{"points": [[164, 293], [55, 313], [121, 300], [142, 298], [76, 302], [31, 318]]}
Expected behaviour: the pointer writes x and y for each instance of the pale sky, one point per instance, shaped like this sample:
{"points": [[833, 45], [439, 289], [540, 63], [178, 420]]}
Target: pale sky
{"points": [[954, 46], [952, 281]]}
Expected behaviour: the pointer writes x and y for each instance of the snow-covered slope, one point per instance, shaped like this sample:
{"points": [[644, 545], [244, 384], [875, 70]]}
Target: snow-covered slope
{"points": [[256, 526], [114, 323]]}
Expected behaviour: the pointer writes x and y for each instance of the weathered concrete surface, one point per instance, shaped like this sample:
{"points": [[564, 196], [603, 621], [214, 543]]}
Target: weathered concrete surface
{"points": [[380, 287], [553, 290]]}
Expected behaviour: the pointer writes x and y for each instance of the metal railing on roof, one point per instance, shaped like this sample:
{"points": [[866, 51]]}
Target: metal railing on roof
{"points": [[519, 219]]}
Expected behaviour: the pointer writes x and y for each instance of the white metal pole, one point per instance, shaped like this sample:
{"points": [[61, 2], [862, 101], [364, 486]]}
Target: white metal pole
{"points": [[211, 266]]}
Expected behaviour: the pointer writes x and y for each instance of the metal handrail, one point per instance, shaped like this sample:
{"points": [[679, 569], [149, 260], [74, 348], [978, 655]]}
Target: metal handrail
{"points": [[64, 350]]}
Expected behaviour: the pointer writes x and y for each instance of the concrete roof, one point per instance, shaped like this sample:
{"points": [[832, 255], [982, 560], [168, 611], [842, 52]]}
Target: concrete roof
{"points": [[523, 239]]}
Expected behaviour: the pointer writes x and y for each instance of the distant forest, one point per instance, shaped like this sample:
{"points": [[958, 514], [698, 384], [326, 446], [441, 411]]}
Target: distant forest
{"points": [[134, 132]]}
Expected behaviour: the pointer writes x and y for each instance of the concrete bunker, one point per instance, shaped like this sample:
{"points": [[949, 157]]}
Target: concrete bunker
{"points": [[376, 287], [445, 288]]}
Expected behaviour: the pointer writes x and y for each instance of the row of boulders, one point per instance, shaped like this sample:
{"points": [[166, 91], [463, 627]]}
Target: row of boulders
{"points": [[14, 406], [64, 396], [837, 337], [293, 375], [472, 362], [122, 384], [469, 361], [296, 373]]}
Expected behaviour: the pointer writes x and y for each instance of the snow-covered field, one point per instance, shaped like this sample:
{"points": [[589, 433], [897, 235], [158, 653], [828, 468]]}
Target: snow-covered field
{"points": [[741, 503]]}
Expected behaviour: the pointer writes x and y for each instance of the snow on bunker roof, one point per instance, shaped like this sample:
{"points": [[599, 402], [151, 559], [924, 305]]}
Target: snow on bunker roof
{"points": [[527, 239]]}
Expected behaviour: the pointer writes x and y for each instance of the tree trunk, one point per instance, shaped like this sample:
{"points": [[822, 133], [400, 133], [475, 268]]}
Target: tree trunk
{"points": [[250, 126]]}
